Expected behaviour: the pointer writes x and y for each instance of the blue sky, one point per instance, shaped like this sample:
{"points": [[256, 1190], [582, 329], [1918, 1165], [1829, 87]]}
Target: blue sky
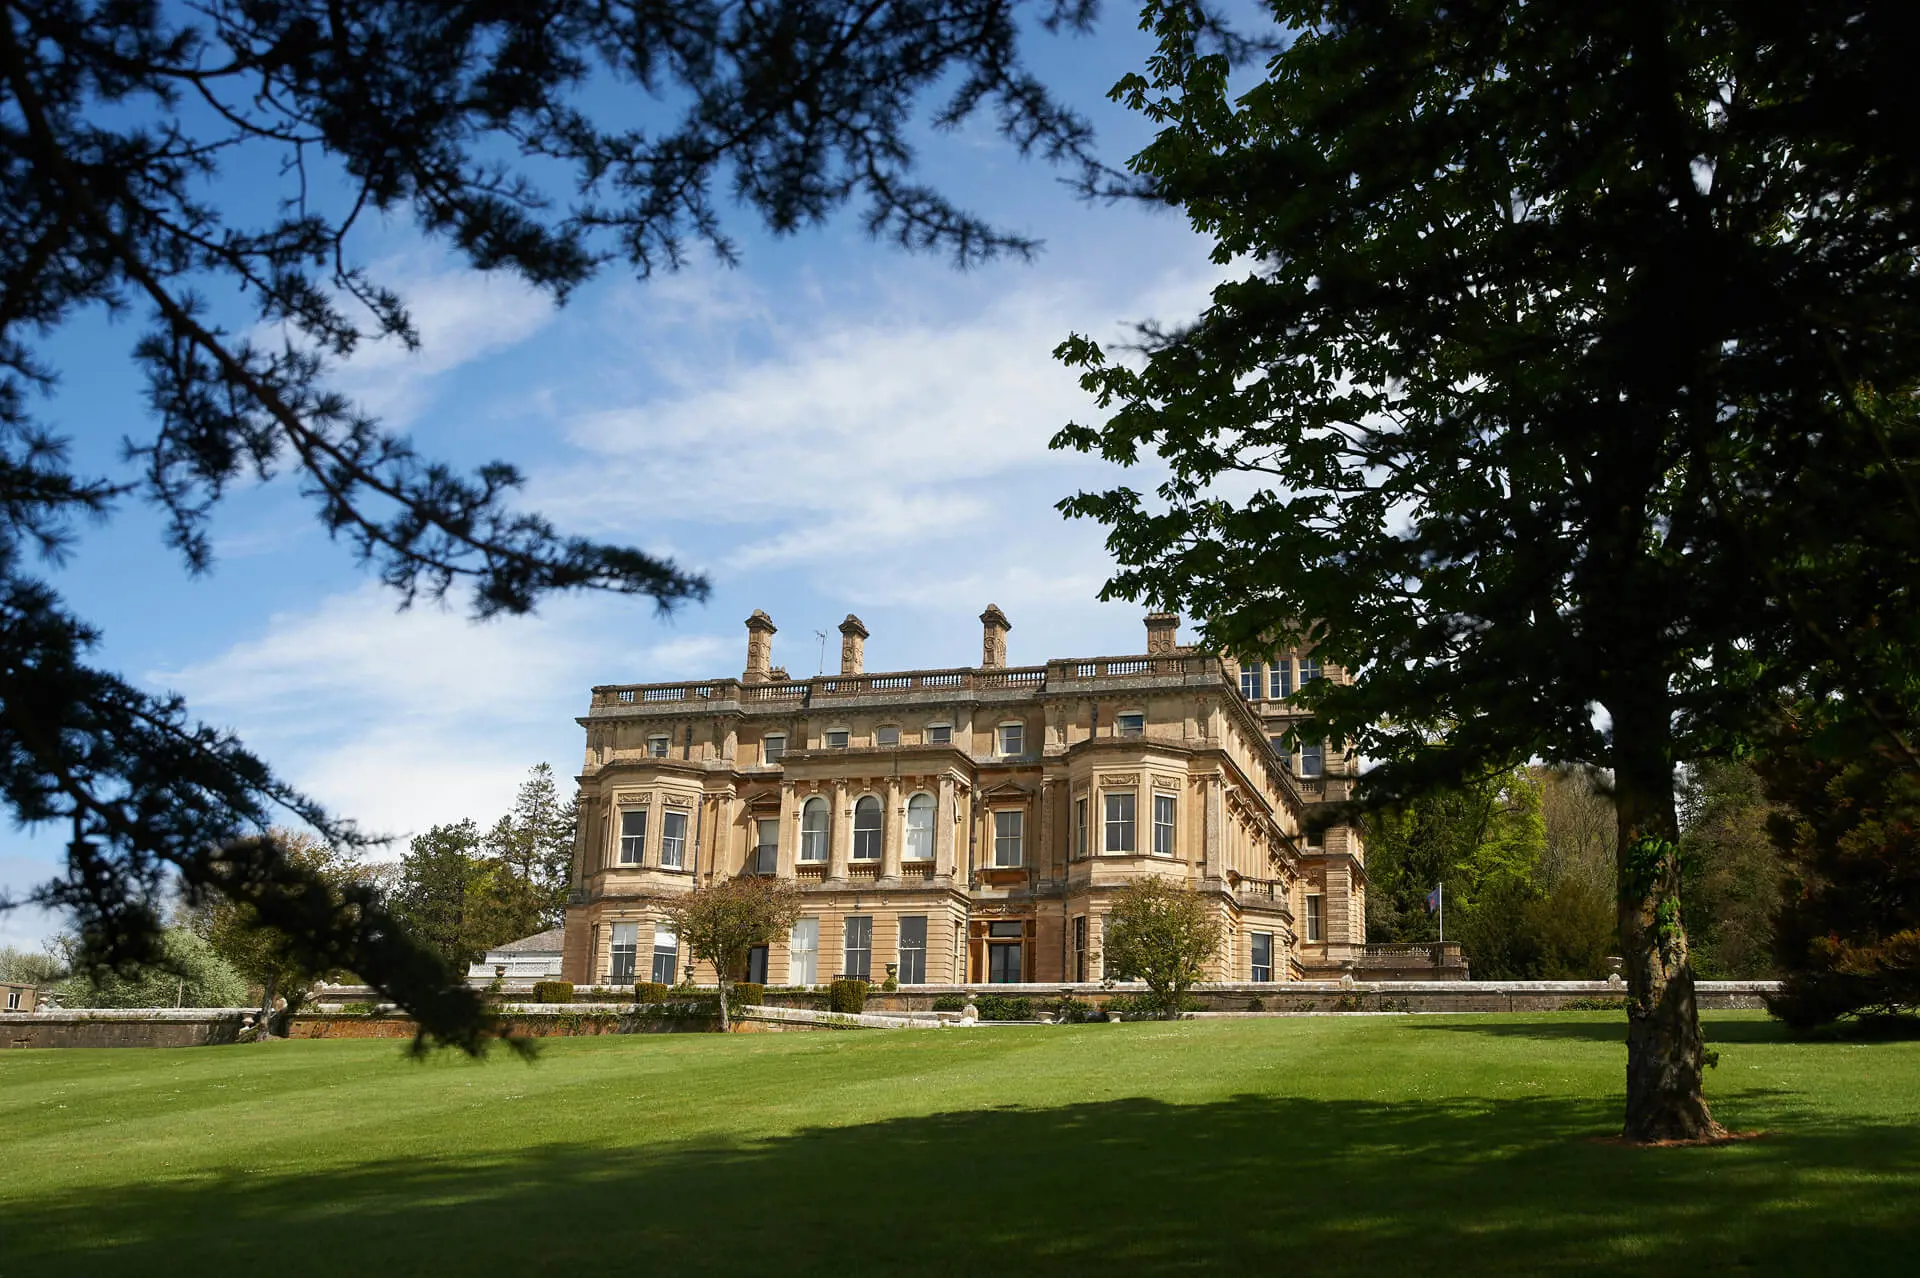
{"points": [[831, 427]]}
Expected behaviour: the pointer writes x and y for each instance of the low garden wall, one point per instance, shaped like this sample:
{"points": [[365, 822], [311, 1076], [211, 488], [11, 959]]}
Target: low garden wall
{"points": [[131, 1027]]}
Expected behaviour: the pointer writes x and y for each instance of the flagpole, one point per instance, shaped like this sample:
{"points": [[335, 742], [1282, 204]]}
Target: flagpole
{"points": [[1443, 911]]}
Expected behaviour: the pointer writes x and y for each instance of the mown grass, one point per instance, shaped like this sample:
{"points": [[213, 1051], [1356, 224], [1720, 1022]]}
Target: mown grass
{"points": [[1380, 1145]]}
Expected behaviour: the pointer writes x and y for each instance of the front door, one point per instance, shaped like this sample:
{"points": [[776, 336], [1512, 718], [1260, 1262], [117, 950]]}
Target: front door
{"points": [[757, 965], [1003, 962]]}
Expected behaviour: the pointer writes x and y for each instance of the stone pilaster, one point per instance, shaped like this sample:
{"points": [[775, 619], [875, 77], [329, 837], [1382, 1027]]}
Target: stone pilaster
{"points": [[895, 817], [840, 836]]}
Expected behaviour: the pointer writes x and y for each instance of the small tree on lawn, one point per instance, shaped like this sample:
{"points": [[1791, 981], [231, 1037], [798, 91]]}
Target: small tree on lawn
{"points": [[267, 955], [1164, 935], [722, 924]]}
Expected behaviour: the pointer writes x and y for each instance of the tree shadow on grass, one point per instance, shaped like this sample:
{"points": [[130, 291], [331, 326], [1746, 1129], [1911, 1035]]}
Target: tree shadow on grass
{"points": [[1122, 1186], [1611, 1030]]}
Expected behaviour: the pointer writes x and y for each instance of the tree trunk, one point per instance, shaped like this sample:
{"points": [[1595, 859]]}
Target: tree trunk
{"points": [[264, 1029], [1665, 1050], [725, 1023]]}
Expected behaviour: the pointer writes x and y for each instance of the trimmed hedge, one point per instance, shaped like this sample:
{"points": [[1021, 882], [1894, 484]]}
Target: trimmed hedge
{"points": [[950, 1002], [553, 991], [847, 996], [998, 1007], [745, 993], [651, 992]]}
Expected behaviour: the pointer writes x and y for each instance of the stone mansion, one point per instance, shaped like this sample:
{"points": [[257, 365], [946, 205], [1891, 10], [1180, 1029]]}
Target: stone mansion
{"points": [[967, 824]]}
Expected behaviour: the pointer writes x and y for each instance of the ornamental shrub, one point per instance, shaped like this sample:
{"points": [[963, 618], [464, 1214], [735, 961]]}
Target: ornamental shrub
{"points": [[1074, 1011], [746, 994], [553, 991], [847, 996], [950, 1003], [997, 1007], [651, 992]]}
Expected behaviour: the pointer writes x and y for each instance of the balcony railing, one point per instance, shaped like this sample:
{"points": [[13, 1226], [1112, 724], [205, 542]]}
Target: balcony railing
{"points": [[1431, 954], [822, 687]]}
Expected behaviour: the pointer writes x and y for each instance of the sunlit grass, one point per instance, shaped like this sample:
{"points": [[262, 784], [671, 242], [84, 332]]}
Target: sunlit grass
{"points": [[1355, 1145]]}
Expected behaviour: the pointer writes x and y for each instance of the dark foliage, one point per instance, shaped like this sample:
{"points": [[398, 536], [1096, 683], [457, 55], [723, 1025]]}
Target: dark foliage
{"points": [[132, 132], [553, 991], [652, 992], [1568, 364], [847, 995]]}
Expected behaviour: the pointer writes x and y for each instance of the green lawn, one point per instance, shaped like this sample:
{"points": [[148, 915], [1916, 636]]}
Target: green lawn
{"points": [[1365, 1145]]}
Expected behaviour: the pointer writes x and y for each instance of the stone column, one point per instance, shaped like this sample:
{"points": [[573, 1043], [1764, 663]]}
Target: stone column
{"points": [[943, 825], [895, 816], [840, 837], [789, 831], [1216, 828]]}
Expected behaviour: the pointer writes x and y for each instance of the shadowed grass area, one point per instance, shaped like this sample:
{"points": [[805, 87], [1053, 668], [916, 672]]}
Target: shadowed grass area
{"points": [[1401, 1145]]}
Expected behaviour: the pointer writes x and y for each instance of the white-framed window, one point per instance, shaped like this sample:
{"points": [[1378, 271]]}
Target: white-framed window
{"points": [[1080, 824], [836, 739], [1009, 832], [857, 954], [913, 949], [1313, 759], [815, 823], [920, 828], [633, 835], [657, 745], [1309, 671], [626, 946], [1260, 956], [866, 829], [887, 735], [773, 747], [673, 840], [1012, 739], [13, 1000], [1163, 824], [1079, 947], [1250, 682], [766, 846], [940, 734], [1120, 821], [1315, 916], [666, 955], [1280, 748], [803, 953], [1280, 680], [1131, 724]]}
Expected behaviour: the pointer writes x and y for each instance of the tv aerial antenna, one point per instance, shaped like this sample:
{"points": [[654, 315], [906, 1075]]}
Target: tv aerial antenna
{"points": [[821, 668]]}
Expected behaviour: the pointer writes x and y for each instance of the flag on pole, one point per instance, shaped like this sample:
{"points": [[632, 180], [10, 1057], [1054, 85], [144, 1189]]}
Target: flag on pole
{"points": [[1433, 900]]}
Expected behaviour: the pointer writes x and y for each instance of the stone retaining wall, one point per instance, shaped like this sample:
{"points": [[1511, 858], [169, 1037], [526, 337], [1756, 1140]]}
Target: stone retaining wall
{"points": [[131, 1027]]}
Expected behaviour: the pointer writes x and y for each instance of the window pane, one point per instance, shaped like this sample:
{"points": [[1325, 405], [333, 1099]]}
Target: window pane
{"points": [[940, 734], [1011, 737], [913, 949], [1250, 682], [920, 828], [1312, 760], [626, 945], [1262, 956], [1280, 680], [1313, 918], [859, 947], [803, 950], [1008, 828], [657, 747], [1309, 671], [1079, 827], [813, 830], [633, 836], [766, 852], [1003, 962], [1133, 725], [773, 748], [1163, 824], [837, 740], [887, 736], [673, 840], [866, 829], [1014, 928], [1120, 823]]}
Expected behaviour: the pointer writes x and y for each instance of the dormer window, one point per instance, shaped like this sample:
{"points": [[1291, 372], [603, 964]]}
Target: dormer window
{"points": [[940, 734], [773, 747], [1130, 725], [657, 745], [837, 739], [887, 736], [1012, 740]]}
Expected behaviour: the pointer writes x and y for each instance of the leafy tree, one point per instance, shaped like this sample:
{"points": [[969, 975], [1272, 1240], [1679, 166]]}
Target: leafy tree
{"points": [[1162, 934], [1547, 349], [188, 973], [1730, 870], [723, 923], [30, 967], [442, 895], [1582, 832], [534, 845], [1848, 937], [265, 955], [202, 168]]}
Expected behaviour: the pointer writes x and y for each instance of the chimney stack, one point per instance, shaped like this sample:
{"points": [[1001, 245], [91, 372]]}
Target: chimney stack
{"points": [[853, 646], [993, 639], [1163, 629], [760, 634]]}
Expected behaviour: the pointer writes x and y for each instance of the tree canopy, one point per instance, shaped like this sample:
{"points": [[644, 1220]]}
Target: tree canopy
{"points": [[139, 144], [1562, 387], [721, 924]]}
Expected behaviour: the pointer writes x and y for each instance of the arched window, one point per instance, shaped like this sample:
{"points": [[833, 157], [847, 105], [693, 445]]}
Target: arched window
{"points": [[866, 829], [813, 830], [920, 828]]}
